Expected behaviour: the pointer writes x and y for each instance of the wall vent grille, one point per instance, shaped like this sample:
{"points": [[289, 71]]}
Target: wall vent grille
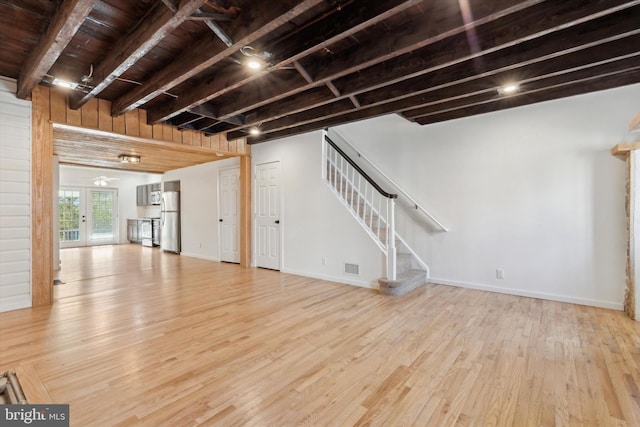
{"points": [[352, 269]]}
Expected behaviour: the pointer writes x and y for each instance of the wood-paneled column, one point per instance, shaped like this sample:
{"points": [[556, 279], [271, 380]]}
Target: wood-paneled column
{"points": [[245, 211], [41, 199]]}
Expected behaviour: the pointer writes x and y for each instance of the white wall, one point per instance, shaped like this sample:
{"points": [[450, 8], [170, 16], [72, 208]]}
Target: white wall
{"points": [[314, 223], [15, 198], [125, 183], [533, 191], [199, 207]]}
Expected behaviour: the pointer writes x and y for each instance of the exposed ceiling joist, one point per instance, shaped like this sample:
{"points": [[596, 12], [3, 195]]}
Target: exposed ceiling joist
{"points": [[415, 35], [509, 46], [147, 34], [63, 26], [305, 42], [329, 62], [265, 17]]}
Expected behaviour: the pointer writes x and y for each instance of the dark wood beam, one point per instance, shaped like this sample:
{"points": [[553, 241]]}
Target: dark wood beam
{"points": [[488, 95], [533, 43], [254, 23], [303, 71], [480, 90], [593, 41], [495, 36], [615, 55], [203, 123], [207, 110], [416, 36], [156, 25], [203, 16], [307, 41], [572, 88], [184, 119], [63, 26]]}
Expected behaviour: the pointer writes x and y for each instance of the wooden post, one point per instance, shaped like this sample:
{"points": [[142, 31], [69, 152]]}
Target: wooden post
{"points": [[41, 199], [245, 211]]}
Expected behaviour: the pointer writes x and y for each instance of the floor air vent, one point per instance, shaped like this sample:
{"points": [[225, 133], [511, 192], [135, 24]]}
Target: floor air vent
{"points": [[351, 268]]}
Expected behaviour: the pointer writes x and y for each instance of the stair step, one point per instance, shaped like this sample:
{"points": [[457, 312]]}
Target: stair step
{"points": [[403, 263], [404, 283]]}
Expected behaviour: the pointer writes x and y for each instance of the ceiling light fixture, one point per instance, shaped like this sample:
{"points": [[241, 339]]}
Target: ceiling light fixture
{"points": [[509, 89], [254, 64], [254, 131], [126, 158], [64, 83], [255, 60]]}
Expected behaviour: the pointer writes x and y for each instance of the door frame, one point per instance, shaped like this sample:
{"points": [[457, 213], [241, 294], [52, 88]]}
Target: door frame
{"points": [[223, 169], [257, 161]]}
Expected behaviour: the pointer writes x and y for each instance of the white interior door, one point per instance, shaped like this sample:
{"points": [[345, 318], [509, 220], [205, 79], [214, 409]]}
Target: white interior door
{"points": [[229, 184], [87, 216], [268, 215]]}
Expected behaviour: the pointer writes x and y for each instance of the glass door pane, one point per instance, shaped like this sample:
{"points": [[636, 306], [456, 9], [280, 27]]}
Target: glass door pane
{"points": [[70, 216], [102, 216]]}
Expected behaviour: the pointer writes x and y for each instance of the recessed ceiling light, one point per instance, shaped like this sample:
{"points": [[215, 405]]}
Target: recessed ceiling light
{"points": [[509, 89], [64, 83], [254, 131]]}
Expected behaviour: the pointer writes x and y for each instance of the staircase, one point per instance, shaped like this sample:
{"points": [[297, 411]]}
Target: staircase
{"points": [[374, 209]]}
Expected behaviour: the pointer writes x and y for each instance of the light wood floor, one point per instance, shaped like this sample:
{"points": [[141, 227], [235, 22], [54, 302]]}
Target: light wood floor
{"points": [[167, 340]]}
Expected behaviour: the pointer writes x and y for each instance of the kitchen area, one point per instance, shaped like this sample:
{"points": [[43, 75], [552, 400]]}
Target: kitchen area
{"points": [[162, 227]]}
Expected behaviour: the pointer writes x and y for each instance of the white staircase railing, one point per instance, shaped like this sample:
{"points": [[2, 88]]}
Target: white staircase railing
{"points": [[372, 206], [406, 196]]}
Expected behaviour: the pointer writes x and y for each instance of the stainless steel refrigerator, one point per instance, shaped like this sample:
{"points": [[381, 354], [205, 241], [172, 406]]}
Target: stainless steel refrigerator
{"points": [[170, 221]]}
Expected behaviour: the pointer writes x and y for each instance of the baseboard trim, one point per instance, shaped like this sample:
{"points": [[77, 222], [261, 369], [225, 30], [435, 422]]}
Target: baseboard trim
{"points": [[521, 293], [199, 256], [15, 303], [342, 280]]}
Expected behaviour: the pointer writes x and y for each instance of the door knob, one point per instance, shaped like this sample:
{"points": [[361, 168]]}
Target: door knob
{"points": [[277, 221], [220, 220]]}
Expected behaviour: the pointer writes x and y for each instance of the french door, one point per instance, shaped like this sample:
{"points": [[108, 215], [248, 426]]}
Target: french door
{"points": [[87, 216]]}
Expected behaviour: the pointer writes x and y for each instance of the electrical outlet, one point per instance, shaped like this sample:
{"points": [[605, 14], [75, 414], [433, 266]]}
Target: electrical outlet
{"points": [[499, 273]]}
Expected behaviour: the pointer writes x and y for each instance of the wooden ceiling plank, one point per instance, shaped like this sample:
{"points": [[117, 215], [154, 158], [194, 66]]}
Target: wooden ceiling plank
{"points": [[63, 26], [589, 84], [474, 93], [597, 84], [498, 36], [133, 46], [402, 43], [309, 41], [446, 55], [72, 146], [549, 82], [268, 16], [583, 49]]}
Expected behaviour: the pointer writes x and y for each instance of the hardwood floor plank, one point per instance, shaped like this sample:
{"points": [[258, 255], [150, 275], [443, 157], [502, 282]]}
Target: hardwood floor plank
{"points": [[140, 337]]}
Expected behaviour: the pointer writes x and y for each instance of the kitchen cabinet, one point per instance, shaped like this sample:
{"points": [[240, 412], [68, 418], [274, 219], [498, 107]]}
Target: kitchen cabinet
{"points": [[148, 194], [133, 233], [144, 230]]}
